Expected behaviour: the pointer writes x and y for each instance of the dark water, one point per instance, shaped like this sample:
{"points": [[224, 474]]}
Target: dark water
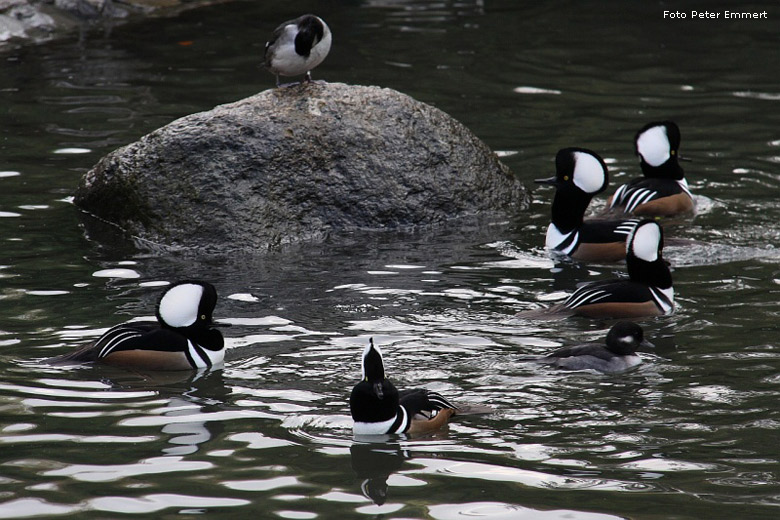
{"points": [[691, 433]]}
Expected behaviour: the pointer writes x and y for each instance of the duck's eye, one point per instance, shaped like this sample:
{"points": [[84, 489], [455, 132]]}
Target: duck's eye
{"points": [[566, 177], [203, 317]]}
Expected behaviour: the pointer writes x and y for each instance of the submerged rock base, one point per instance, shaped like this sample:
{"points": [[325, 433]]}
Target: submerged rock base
{"points": [[298, 163]]}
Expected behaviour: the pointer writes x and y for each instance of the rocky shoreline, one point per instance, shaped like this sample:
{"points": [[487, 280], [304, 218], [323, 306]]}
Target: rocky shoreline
{"points": [[35, 21]]}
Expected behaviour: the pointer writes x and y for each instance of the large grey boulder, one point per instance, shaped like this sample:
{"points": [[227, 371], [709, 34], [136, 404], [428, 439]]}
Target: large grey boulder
{"points": [[298, 163]]}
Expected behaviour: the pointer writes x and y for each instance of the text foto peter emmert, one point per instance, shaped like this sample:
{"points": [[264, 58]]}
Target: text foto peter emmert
{"points": [[713, 15]]}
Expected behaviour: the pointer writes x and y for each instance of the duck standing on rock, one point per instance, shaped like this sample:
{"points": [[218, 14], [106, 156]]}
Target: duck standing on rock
{"points": [[297, 46], [184, 337]]}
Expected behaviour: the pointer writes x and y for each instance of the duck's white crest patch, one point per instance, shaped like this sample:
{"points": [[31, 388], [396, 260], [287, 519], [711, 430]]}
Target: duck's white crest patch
{"points": [[179, 306], [588, 172], [653, 145], [645, 241]]}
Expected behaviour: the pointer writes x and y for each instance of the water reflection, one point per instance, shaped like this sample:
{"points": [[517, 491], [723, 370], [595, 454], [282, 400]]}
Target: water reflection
{"points": [[373, 462], [503, 511]]}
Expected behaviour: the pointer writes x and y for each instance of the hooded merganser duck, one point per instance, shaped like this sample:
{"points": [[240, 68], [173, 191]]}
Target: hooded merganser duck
{"points": [[378, 408], [579, 175], [663, 191], [619, 354], [297, 46], [183, 338], [647, 292]]}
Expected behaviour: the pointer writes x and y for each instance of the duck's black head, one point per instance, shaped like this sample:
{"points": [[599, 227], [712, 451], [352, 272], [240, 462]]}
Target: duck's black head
{"points": [[311, 30], [625, 337], [579, 175], [644, 259], [374, 399], [188, 307]]}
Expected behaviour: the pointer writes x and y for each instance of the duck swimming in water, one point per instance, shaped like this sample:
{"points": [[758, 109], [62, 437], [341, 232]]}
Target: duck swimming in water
{"points": [[617, 355], [663, 191], [183, 338]]}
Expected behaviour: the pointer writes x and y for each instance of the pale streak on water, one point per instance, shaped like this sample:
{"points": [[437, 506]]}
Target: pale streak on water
{"points": [[690, 433]]}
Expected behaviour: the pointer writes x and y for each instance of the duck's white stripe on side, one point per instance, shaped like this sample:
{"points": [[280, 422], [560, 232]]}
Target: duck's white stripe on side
{"points": [[557, 240], [652, 195], [684, 185], [203, 357], [627, 227], [638, 197], [664, 298], [405, 421], [617, 198], [585, 296], [439, 401], [374, 428], [115, 339]]}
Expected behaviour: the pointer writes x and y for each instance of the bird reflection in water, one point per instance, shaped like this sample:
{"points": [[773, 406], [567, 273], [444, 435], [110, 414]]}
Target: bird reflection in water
{"points": [[189, 395], [374, 462]]}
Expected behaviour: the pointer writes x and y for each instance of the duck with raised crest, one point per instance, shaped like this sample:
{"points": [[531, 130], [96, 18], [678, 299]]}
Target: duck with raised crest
{"points": [[579, 175], [184, 337], [647, 292], [663, 191], [617, 355], [378, 408], [297, 46]]}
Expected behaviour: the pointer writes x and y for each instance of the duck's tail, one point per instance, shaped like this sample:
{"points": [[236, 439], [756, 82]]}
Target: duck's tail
{"points": [[86, 354], [554, 312]]}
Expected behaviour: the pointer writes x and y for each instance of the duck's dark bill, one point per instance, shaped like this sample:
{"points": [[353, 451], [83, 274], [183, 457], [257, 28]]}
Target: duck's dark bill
{"points": [[221, 324], [552, 181]]}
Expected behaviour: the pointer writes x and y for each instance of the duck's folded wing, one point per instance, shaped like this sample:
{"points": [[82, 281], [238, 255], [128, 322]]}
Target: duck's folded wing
{"points": [[110, 339], [419, 401], [581, 363], [606, 231], [642, 190], [163, 340], [592, 350], [608, 291]]}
